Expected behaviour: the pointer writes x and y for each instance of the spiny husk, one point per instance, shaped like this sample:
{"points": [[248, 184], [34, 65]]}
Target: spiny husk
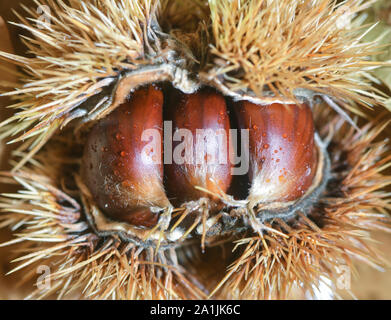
{"points": [[309, 44], [295, 48], [50, 229]]}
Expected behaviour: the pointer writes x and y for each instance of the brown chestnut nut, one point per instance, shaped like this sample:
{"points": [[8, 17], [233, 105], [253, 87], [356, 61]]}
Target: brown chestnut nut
{"points": [[283, 156], [122, 168], [201, 145]]}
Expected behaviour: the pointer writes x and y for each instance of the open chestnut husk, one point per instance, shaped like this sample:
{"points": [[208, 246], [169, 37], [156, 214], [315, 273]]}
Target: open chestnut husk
{"points": [[91, 59]]}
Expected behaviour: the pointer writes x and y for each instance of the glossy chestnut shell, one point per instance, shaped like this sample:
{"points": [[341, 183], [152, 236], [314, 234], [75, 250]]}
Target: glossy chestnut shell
{"points": [[283, 156], [125, 181], [124, 170], [205, 115]]}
